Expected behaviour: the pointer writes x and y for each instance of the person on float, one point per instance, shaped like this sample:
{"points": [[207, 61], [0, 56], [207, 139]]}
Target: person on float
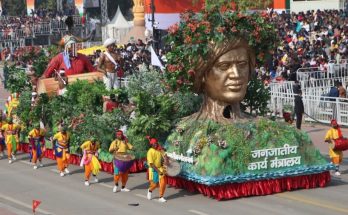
{"points": [[34, 99], [62, 82], [110, 63], [70, 61], [61, 150], [90, 159], [10, 132], [120, 145], [156, 176], [110, 103], [331, 136], [2, 137], [36, 139]]}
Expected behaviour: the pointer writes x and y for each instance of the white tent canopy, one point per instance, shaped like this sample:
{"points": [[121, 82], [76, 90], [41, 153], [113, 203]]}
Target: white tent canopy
{"points": [[118, 27]]}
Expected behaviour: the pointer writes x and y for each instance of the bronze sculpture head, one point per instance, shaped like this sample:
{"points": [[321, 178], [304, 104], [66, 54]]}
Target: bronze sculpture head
{"points": [[223, 79], [225, 75]]}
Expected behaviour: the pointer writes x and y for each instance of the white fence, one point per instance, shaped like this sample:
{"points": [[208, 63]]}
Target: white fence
{"points": [[321, 109], [318, 87], [334, 71], [316, 103], [39, 28]]}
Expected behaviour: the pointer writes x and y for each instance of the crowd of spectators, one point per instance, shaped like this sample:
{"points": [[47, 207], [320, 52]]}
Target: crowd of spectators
{"points": [[15, 27], [308, 39]]}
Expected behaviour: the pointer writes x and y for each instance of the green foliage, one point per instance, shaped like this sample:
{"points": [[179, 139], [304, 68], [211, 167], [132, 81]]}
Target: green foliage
{"points": [[226, 149], [241, 4], [101, 126], [41, 61], [157, 110], [154, 117], [24, 107], [16, 79], [84, 96], [145, 81], [40, 58], [186, 103], [83, 100], [257, 97]]}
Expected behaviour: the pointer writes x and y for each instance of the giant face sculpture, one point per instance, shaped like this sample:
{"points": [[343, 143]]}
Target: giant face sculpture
{"points": [[227, 80]]}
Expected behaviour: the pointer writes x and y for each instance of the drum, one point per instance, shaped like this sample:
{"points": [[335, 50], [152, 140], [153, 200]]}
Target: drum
{"points": [[340, 144], [123, 161], [172, 168]]}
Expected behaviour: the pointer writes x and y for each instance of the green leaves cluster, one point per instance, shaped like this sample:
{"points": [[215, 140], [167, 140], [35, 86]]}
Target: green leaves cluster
{"points": [[84, 100], [241, 4], [256, 98], [241, 139], [16, 79], [157, 109]]}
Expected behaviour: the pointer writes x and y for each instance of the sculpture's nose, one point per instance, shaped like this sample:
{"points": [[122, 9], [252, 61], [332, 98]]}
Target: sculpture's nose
{"points": [[233, 71]]}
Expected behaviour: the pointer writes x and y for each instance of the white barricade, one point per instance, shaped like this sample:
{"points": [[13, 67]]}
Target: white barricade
{"points": [[334, 71], [321, 108], [42, 28]]}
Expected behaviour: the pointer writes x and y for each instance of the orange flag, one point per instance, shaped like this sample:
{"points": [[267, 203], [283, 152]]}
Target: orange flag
{"points": [[36, 204]]}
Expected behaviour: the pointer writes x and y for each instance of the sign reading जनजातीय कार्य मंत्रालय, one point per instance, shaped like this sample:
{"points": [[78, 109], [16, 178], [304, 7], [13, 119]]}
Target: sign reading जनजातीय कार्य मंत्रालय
{"points": [[271, 160]]}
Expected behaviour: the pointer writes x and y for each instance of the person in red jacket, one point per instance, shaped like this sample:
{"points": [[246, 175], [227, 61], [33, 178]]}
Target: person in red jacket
{"points": [[70, 61], [110, 103]]}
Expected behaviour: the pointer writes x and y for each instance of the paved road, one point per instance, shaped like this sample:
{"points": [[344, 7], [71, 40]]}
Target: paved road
{"points": [[20, 184]]}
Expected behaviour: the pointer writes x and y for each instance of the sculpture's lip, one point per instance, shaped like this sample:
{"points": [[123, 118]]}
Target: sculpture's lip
{"points": [[235, 87], [234, 84]]}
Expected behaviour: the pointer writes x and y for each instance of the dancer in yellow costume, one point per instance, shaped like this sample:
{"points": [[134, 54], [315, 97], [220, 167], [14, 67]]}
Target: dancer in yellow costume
{"points": [[10, 132], [37, 143], [61, 151], [90, 160], [120, 145], [156, 174], [333, 134]]}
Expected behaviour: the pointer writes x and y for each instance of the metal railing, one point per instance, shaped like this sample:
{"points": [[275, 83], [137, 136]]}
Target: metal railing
{"points": [[333, 71], [39, 28], [321, 109]]}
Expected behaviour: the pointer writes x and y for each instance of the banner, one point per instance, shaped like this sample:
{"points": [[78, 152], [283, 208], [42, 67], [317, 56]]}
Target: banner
{"points": [[155, 60], [79, 6], [30, 6], [168, 12], [279, 4], [91, 3]]}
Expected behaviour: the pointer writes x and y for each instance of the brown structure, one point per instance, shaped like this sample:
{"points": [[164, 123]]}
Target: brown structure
{"points": [[51, 86], [138, 31], [223, 80]]}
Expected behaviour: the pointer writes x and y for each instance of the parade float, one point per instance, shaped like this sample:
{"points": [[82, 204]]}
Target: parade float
{"points": [[222, 152]]}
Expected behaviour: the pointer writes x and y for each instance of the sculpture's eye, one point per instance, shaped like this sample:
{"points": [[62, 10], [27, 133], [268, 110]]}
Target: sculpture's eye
{"points": [[242, 63], [223, 66]]}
